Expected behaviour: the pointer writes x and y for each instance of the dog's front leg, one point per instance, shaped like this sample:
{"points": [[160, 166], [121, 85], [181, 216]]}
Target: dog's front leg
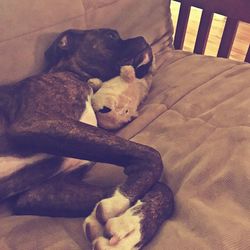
{"points": [[70, 138]]}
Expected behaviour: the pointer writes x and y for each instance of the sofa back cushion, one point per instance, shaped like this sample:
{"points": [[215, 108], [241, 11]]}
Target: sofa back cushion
{"points": [[29, 27], [147, 18]]}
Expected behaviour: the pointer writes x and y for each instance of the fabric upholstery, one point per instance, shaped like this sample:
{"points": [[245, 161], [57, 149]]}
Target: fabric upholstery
{"points": [[200, 126]]}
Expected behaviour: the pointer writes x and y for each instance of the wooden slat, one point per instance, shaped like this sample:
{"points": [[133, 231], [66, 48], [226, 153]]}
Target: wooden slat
{"points": [[203, 32], [228, 37], [181, 26], [247, 59], [238, 9]]}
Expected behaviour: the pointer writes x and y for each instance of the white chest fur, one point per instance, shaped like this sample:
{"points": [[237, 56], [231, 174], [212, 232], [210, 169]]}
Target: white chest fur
{"points": [[88, 117]]}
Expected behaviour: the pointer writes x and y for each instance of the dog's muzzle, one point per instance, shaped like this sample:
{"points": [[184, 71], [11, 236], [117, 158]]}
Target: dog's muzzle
{"points": [[143, 63], [138, 53]]}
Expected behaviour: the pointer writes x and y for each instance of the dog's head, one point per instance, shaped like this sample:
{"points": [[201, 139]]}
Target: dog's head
{"points": [[98, 53]]}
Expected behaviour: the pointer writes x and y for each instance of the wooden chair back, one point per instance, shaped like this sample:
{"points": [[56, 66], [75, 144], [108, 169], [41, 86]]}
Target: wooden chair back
{"points": [[234, 10]]}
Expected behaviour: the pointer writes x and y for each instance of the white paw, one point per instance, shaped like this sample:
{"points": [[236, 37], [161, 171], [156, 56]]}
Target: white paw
{"points": [[121, 227], [92, 228], [122, 224], [124, 231], [112, 207]]}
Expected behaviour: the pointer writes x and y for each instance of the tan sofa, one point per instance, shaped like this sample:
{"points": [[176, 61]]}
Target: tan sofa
{"points": [[197, 115]]}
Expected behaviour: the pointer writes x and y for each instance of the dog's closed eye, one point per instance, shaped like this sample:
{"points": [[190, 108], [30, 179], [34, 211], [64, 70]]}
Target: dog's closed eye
{"points": [[104, 110]]}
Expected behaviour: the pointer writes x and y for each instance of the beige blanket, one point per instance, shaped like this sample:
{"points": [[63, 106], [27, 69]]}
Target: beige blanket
{"points": [[202, 129]]}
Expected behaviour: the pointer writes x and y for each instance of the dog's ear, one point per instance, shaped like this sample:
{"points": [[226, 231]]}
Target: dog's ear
{"points": [[64, 42], [59, 49]]}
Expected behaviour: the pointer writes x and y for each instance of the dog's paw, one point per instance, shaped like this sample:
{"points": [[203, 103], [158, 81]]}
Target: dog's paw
{"points": [[92, 228], [113, 225], [125, 230], [103, 211], [122, 232], [112, 207]]}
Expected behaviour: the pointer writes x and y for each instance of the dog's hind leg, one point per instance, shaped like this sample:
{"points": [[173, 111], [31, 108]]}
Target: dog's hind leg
{"points": [[61, 196]]}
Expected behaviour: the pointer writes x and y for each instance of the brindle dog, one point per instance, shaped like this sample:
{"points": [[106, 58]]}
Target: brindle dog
{"points": [[47, 127]]}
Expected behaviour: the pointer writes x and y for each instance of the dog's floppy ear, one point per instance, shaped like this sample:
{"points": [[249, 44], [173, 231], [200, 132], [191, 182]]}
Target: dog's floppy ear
{"points": [[59, 48], [64, 42]]}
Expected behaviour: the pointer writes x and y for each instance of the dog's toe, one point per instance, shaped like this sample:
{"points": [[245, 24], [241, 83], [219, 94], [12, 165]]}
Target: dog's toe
{"points": [[125, 230], [127, 243], [92, 228], [124, 224], [101, 243], [112, 207]]}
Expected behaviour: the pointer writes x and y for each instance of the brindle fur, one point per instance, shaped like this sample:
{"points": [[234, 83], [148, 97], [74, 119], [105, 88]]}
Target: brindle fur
{"points": [[41, 115]]}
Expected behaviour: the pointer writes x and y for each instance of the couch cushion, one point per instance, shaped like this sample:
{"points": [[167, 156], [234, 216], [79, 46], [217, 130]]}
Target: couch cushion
{"points": [[179, 73], [28, 28], [22, 56], [41, 233], [151, 19], [204, 140], [28, 16]]}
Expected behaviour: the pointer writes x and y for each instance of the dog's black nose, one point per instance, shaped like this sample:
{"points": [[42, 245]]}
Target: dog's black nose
{"points": [[104, 110]]}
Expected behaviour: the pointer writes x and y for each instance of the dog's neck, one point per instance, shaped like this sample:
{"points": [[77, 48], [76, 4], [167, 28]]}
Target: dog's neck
{"points": [[74, 69]]}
